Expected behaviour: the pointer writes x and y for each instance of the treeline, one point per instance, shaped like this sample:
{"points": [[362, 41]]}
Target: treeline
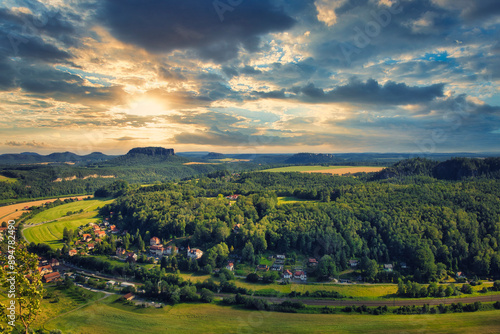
{"points": [[453, 169]]}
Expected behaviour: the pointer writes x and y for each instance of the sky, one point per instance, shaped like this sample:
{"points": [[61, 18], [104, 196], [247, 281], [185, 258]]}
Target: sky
{"points": [[250, 76]]}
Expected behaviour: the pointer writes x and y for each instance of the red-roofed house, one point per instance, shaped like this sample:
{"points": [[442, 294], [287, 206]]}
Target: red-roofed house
{"points": [[90, 246], [312, 262], [101, 234], [96, 228], [129, 296], [72, 252], [287, 274], [156, 249], [45, 269], [51, 277], [194, 253], [120, 251], [87, 237], [300, 275], [154, 241], [230, 266]]}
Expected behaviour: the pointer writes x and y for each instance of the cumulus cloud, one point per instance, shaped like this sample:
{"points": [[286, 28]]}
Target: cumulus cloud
{"points": [[32, 143], [163, 26], [369, 92]]}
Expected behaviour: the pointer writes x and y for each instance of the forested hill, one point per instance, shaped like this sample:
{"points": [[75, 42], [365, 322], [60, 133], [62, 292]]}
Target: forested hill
{"points": [[453, 169], [433, 226], [35, 158]]}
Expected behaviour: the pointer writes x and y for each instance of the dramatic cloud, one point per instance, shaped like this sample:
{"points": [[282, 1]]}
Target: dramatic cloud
{"points": [[370, 92], [214, 29], [252, 76]]}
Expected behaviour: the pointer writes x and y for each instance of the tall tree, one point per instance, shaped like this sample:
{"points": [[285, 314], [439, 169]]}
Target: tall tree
{"points": [[22, 269]]}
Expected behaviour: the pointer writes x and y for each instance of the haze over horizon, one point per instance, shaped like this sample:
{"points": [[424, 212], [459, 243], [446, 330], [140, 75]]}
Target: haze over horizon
{"points": [[262, 76]]}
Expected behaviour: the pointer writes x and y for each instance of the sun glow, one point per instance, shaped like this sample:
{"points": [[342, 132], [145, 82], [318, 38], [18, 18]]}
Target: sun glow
{"points": [[147, 107]]}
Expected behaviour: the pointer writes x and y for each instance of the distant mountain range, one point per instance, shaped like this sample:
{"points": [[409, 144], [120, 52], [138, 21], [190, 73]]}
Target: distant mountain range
{"points": [[148, 155], [64, 157]]}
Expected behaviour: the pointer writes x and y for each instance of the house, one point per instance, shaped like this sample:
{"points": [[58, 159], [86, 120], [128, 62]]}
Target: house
{"points": [[154, 241], [43, 270], [287, 274], [156, 249], [388, 267], [131, 257], [129, 296], [194, 253], [233, 197], [171, 250], [312, 262], [90, 246], [54, 262], [277, 267], [110, 283], [72, 252], [262, 267], [281, 256], [96, 228], [236, 228], [300, 275], [403, 265], [230, 266], [120, 251], [113, 229], [100, 234], [51, 277], [86, 237], [353, 263]]}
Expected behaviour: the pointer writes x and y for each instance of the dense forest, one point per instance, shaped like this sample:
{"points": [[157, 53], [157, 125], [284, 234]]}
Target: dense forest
{"points": [[432, 226]]}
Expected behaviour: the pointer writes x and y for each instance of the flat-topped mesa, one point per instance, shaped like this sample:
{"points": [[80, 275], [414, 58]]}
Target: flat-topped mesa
{"points": [[152, 151]]}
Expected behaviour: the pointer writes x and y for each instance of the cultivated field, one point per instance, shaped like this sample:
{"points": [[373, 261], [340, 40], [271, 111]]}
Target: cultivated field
{"points": [[52, 233], [336, 170], [107, 317], [15, 211]]}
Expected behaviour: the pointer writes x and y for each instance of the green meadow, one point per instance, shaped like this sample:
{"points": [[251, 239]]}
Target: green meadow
{"points": [[109, 316], [52, 233]]}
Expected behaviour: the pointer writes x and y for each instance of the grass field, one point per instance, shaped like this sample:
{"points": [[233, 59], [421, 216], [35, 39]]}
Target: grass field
{"points": [[109, 317], [61, 210], [337, 170], [7, 179], [52, 233]]}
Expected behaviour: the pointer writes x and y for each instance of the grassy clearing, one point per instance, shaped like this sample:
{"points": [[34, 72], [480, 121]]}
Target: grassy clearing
{"points": [[61, 210], [7, 179], [300, 168], [291, 200], [338, 170], [109, 317]]}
